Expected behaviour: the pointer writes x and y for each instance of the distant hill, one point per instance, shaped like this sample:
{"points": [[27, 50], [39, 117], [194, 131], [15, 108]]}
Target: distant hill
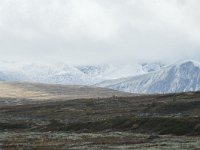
{"points": [[180, 77], [146, 78], [70, 75], [19, 92]]}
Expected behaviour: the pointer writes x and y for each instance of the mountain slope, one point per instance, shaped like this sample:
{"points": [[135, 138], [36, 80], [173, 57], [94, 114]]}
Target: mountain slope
{"points": [[57, 74], [68, 74], [137, 78], [180, 77], [100, 73]]}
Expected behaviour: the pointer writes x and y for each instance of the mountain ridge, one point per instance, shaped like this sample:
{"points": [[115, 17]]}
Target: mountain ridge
{"points": [[67, 74], [180, 77], [146, 78]]}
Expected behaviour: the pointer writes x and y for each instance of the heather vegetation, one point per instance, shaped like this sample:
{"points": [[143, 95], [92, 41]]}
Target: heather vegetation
{"points": [[139, 122]]}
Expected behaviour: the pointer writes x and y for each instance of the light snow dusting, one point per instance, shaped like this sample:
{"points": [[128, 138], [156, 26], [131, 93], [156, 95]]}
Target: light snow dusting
{"points": [[136, 78]]}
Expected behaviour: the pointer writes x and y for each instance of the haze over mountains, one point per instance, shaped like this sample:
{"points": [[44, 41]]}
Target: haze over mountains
{"points": [[67, 74], [138, 78]]}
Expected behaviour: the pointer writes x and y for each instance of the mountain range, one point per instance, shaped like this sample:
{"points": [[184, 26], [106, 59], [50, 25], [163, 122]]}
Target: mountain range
{"points": [[67, 74], [180, 77], [147, 78]]}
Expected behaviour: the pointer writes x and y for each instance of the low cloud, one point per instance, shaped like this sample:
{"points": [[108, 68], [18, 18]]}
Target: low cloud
{"points": [[99, 31]]}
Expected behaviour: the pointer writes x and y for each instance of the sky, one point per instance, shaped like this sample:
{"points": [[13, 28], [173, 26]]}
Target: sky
{"points": [[99, 31]]}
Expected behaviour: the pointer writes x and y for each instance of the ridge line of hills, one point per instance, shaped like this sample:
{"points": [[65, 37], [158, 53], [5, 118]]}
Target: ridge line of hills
{"points": [[146, 78]]}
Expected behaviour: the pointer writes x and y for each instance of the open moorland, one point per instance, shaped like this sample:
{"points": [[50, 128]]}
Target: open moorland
{"points": [[16, 93], [170, 121]]}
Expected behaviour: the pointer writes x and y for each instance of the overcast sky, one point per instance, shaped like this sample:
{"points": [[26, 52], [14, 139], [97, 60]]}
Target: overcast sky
{"points": [[99, 31]]}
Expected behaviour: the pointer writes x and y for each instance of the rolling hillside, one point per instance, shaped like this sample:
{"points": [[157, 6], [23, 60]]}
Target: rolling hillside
{"points": [[20, 91]]}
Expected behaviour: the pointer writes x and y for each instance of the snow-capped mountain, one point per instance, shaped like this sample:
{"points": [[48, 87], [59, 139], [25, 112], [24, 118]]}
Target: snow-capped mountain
{"points": [[58, 73], [67, 74], [149, 67], [179, 77], [100, 73], [136, 78]]}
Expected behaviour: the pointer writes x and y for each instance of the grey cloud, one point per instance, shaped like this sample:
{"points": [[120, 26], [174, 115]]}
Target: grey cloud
{"points": [[99, 31]]}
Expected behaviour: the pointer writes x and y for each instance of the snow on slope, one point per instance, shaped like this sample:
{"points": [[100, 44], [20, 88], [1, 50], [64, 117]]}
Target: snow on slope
{"points": [[108, 72], [59, 74], [138, 78], [66, 74], [56, 73], [10, 72], [180, 77]]}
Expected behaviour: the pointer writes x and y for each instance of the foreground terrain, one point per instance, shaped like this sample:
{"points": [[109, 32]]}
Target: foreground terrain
{"points": [[169, 121], [95, 141]]}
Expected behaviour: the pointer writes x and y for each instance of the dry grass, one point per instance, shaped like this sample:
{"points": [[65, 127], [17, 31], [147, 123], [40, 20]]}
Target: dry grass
{"points": [[13, 91], [36, 91]]}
